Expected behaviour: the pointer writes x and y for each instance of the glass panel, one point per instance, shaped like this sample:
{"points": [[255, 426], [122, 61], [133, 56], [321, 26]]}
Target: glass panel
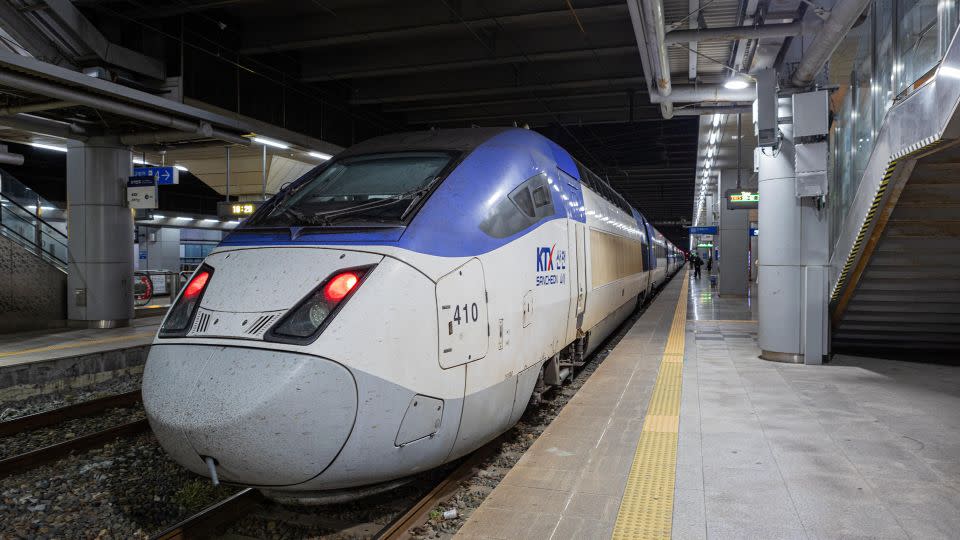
{"points": [[369, 188], [918, 39], [883, 63]]}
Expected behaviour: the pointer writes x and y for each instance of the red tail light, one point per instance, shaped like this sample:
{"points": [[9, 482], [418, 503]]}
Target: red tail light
{"points": [[180, 317], [306, 321], [196, 285], [340, 286]]}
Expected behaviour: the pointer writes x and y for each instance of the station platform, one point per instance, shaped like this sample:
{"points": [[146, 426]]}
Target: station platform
{"points": [[48, 360], [684, 432]]}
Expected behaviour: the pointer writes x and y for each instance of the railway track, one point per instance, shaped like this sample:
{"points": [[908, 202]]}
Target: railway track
{"points": [[33, 458], [220, 515]]}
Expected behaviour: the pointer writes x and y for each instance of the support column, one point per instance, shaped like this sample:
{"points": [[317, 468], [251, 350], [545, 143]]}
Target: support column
{"points": [[100, 234], [793, 243], [734, 238]]}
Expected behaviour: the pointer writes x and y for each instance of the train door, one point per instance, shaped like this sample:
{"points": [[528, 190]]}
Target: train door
{"points": [[462, 315], [576, 240]]}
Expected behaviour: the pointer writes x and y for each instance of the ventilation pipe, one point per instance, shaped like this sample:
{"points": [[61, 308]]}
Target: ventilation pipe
{"points": [[826, 41], [648, 19], [123, 109], [9, 158]]}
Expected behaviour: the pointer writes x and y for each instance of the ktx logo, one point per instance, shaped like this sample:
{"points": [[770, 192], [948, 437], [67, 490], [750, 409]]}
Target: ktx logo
{"points": [[545, 258]]}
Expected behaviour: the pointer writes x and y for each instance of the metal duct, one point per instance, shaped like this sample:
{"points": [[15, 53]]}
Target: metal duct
{"points": [[734, 33], [43, 126], [653, 31], [158, 137], [706, 92], [116, 107], [825, 42], [36, 107], [8, 158]]}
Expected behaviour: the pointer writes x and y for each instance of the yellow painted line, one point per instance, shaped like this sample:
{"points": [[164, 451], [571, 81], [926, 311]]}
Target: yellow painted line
{"points": [[646, 510], [75, 344]]}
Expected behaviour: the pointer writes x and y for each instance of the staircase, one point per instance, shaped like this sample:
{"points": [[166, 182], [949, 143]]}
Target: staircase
{"points": [[33, 259], [908, 294]]}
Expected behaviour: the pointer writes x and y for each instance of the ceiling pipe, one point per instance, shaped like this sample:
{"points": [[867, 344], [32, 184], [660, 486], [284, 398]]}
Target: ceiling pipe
{"points": [[825, 42], [36, 107], [699, 111], [9, 158], [123, 109], [734, 33], [649, 20], [157, 137], [43, 126], [706, 92]]}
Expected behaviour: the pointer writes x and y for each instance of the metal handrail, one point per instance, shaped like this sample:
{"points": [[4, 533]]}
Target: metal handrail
{"points": [[36, 243], [32, 214]]}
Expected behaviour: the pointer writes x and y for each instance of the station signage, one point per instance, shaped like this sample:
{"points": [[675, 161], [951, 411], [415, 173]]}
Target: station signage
{"points": [[237, 209], [705, 245], [142, 192], [754, 232], [165, 175], [702, 230], [738, 199]]}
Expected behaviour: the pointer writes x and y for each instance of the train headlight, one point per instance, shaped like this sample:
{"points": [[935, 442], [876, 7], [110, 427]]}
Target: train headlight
{"points": [[305, 321], [181, 314]]}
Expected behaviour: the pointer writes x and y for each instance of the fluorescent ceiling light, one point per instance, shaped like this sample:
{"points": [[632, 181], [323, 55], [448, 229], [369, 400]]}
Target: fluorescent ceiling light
{"points": [[49, 147], [320, 155], [736, 84], [180, 168], [158, 216], [181, 218], [270, 142], [208, 220]]}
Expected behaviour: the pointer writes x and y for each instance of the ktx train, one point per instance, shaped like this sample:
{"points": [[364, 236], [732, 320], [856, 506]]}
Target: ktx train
{"points": [[394, 309]]}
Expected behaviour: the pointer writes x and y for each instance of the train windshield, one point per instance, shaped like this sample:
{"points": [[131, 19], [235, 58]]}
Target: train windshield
{"points": [[373, 188]]}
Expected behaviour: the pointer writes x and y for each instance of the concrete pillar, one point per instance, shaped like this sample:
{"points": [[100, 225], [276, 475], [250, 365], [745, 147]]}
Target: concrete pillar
{"points": [[100, 234], [793, 242], [734, 239]]}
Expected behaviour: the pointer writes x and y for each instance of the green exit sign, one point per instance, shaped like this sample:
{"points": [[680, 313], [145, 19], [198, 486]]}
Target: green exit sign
{"points": [[705, 246], [739, 198]]}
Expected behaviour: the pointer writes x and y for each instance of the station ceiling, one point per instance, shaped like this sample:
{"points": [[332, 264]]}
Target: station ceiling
{"points": [[341, 71]]}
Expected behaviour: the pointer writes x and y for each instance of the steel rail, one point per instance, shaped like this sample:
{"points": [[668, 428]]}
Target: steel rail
{"points": [[34, 458], [420, 511], [204, 523], [77, 410]]}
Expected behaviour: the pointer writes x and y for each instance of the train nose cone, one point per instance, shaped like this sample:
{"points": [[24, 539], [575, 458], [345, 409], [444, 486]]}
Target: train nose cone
{"points": [[269, 418]]}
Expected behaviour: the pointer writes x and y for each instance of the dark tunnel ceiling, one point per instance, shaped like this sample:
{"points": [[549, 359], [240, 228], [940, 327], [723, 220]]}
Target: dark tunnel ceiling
{"points": [[570, 70]]}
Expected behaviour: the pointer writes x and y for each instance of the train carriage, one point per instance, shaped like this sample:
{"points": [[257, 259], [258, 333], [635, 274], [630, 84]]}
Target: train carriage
{"points": [[395, 309]]}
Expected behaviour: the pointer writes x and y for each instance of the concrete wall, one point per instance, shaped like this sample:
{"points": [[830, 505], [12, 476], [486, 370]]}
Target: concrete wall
{"points": [[33, 293]]}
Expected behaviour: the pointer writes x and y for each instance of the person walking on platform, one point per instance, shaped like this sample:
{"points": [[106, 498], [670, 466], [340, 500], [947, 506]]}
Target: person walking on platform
{"points": [[697, 263], [710, 265]]}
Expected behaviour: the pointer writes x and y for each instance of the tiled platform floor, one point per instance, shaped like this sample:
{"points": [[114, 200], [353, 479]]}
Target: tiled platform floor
{"points": [[857, 448]]}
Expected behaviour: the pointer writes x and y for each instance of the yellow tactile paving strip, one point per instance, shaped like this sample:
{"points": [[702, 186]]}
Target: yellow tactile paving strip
{"points": [[646, 510]]}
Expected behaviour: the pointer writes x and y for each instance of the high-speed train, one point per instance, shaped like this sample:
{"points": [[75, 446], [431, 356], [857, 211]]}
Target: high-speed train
{"points": [[395, 309]]}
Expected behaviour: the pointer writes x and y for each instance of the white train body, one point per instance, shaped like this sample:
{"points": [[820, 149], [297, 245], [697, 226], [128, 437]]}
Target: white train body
{"points": [[433, 352]]}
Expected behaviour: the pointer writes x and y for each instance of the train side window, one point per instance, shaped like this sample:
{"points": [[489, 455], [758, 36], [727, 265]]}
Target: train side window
{"points": [[527, 204], [524, 201], [541, 197]]}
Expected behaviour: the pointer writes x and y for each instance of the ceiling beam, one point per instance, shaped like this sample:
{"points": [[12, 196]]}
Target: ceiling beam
{"points": [[311, 73], [504, 90], [294, 34]]}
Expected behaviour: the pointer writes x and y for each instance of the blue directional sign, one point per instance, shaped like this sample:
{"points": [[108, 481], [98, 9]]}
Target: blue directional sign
{"points": [[754, 232], [702, 230], [164, 175]]}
